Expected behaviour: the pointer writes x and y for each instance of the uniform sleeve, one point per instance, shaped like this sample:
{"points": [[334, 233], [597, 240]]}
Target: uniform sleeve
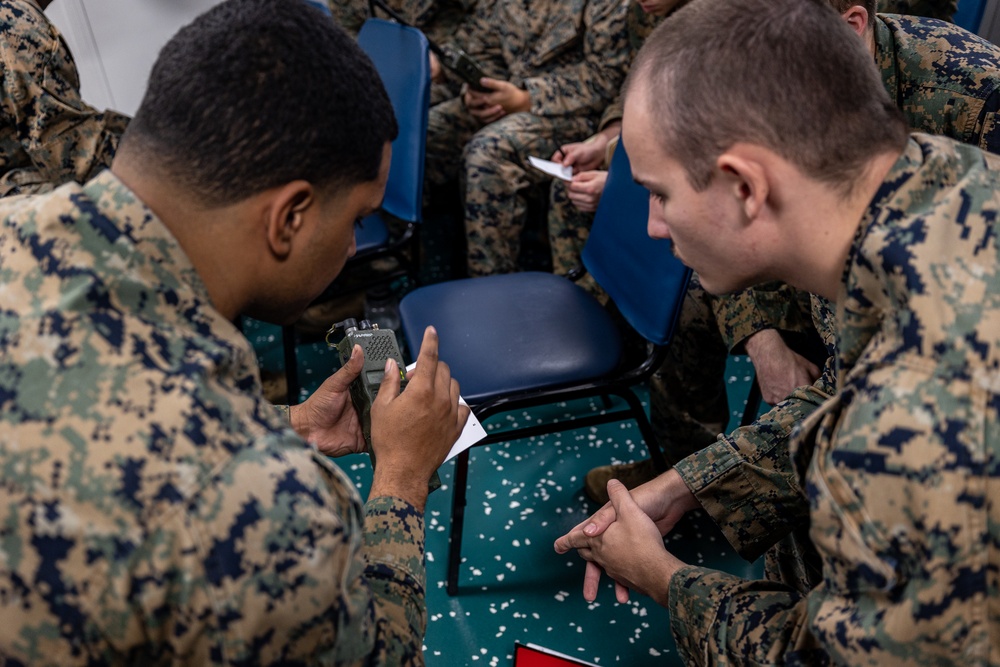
{"points": [[746, 481], [720, 619], [769, 306], [588, 85], [64, 137]]}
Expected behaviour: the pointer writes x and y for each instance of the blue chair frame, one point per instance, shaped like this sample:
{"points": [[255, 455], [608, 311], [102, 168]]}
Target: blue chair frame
{"points": [[527, 339], [400, 55]]}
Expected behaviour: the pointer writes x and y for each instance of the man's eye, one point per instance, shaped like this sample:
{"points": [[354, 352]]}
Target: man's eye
{"points": [[359, 222], [658, 199]]}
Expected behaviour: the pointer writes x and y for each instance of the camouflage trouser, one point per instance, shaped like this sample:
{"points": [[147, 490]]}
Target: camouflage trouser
{"points": [[688, 403], [568, 231], [491, 163]]}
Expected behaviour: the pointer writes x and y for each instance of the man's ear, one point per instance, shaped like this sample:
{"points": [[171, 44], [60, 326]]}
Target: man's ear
{"points": [[284, 215], [857, 17], [748, 178]]}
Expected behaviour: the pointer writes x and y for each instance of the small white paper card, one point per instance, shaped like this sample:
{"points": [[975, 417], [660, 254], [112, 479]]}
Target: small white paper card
{"points": [[471, 434], [551, 168]]}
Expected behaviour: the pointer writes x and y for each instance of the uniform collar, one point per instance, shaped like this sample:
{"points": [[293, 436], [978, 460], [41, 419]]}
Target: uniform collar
{"points": [[885, 58]]}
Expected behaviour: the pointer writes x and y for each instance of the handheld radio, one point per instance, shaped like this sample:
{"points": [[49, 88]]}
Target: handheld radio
{"points": [[379, 345]]}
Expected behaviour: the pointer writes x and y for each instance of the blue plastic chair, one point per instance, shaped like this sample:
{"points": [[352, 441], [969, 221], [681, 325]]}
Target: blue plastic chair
{"points": [[399, 54], [969, 14], [320, 5], [526, 339]]}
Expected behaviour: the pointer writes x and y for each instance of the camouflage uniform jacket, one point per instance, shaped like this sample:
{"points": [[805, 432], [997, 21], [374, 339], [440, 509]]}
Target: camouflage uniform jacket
{"points": [[571, 56], [901, 466], [48, 135], [155, 507]]}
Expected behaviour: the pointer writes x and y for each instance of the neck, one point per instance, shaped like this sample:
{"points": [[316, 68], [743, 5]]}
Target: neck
{"points": [[814, 259], [210, 237]]}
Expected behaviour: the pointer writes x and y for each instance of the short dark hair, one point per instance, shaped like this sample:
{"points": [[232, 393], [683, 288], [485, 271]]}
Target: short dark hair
{"points": [[789, 75], [257, 93], [871, 6]]}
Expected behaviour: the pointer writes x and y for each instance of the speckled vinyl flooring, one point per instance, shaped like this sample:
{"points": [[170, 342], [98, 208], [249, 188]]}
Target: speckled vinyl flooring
{"points": [[522, 495]]}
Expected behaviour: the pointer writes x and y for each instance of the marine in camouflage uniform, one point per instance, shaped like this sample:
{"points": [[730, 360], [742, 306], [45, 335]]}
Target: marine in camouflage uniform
{"points": [[48, 135], [155, 505], [947, 82], [900, 462], [570, 57], [898, 466]]}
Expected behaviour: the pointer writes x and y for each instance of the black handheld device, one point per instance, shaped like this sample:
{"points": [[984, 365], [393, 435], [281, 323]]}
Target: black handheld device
{"points": [[455, 59], [379, 345]]}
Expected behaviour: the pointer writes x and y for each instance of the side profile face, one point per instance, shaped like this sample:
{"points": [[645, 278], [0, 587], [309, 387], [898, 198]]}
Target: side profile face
{"points": [[321, 248], [705, 227]]}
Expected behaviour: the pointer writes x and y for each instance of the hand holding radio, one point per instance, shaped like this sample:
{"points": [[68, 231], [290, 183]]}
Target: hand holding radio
{"points": [[410, 431], [327, 418]]}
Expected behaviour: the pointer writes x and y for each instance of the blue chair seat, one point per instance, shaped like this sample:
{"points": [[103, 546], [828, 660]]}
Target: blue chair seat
{"points": [[371, 235], [527, 349]]}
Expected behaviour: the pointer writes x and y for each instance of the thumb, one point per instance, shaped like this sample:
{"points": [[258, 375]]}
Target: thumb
{"points": [[620, 498], [348, 373], [390, 383]]}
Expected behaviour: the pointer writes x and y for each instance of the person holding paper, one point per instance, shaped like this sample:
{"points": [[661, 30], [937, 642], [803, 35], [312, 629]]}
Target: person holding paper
{"points": [[552, 67]]}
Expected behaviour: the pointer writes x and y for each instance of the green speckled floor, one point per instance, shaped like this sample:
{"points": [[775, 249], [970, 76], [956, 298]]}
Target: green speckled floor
{"points": [[522, 495]]}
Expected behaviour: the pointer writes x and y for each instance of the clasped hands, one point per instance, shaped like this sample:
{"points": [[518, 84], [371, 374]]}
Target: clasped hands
{"points": [[625, 538]]}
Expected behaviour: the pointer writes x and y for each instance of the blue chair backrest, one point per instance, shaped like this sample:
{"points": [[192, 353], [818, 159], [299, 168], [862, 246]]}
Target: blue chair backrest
{"points": [[969, 14], [640, 274], [399, 53], [321, 5]]}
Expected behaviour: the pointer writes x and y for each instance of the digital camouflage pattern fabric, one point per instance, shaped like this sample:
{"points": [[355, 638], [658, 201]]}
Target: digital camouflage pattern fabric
{"points": [[899, 465], [155, 507], [48, 135], [570, 57]]}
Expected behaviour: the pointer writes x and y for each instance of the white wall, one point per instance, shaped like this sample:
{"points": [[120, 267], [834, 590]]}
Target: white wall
{"points": [[115, 43]]}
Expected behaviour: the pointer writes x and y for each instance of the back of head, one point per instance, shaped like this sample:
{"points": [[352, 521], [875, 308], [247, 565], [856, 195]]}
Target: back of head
{"points": [[788, 75], [257, 93]]}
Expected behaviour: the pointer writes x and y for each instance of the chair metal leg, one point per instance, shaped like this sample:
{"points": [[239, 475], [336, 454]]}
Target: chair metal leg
{"points": [[458, 503], [291, 363], [652, 444], [754, 399]]}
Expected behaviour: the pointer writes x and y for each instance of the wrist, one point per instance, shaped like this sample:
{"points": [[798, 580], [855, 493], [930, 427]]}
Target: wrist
{"points": [[610, 132], [402, 484], [678, 492], [755, 342], [524, 103], [298, 421]]}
